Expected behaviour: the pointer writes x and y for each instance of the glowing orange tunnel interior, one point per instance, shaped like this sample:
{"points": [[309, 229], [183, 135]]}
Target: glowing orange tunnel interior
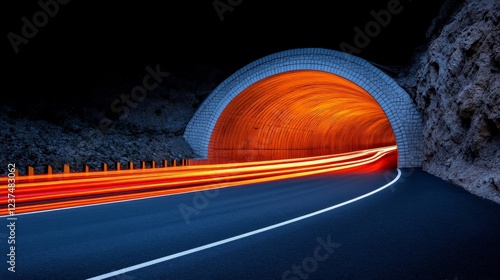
{"points": [[296, 114]]}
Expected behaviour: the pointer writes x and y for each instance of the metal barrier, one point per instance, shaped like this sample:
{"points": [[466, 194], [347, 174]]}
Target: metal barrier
{"points": [[30, 170]]}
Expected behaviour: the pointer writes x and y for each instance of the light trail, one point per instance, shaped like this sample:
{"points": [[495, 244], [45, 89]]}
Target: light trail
{"points": [[56, 191]]}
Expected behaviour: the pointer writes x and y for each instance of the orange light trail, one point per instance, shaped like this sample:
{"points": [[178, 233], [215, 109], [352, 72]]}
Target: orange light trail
{"points": [[289, 125], [46, 192]]}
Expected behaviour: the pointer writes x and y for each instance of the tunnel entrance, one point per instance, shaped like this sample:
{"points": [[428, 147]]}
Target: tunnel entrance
{"points": [[305, 102], [297, 114]]}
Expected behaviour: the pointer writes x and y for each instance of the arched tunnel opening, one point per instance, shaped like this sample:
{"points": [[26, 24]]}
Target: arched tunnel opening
{"points": [[297, 114], [302, 103]]}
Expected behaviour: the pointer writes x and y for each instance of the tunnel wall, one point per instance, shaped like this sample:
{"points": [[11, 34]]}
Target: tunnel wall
{"points": [[396, 103]]}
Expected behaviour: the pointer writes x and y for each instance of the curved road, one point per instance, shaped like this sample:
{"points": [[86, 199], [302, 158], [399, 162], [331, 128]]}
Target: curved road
{"points": [[420, 227]]}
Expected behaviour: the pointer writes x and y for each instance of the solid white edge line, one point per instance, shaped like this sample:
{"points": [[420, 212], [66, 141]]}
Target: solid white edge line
{"points": [[227, 240]]}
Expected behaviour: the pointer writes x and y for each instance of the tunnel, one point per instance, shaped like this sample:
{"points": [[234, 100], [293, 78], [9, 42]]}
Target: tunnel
{"points": [[296, 114], [303, 103]]}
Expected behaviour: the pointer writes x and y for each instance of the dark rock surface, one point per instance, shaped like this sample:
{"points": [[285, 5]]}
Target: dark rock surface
{"points": [[40, 131], [455, 82]]}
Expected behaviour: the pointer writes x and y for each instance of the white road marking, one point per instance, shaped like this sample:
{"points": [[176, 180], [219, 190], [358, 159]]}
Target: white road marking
{"points": [[241, 236]]}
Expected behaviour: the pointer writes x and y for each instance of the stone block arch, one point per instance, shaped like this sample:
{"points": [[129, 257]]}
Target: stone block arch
{"points": [[402, 114]]}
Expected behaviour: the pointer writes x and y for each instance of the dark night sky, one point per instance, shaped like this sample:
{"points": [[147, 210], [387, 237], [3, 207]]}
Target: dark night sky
{"points": [[87, 38]]}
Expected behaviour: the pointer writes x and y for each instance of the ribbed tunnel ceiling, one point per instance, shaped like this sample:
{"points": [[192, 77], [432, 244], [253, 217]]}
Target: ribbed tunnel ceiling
{"points": [[299, 114]]}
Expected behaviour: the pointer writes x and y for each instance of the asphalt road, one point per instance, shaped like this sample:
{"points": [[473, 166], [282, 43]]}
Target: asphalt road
{"points": [[420, 227]]}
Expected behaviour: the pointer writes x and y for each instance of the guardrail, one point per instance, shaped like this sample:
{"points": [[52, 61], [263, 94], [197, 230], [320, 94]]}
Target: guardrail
{"points": [[30, 170]]}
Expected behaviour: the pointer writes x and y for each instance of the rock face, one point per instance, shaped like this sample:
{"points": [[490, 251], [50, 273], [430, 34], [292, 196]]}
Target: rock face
{"points": [[455, 82], [40, 133]]}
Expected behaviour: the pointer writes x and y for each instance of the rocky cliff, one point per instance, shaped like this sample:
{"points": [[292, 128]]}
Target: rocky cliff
{"points": [[455, 82], [40, 131]]}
